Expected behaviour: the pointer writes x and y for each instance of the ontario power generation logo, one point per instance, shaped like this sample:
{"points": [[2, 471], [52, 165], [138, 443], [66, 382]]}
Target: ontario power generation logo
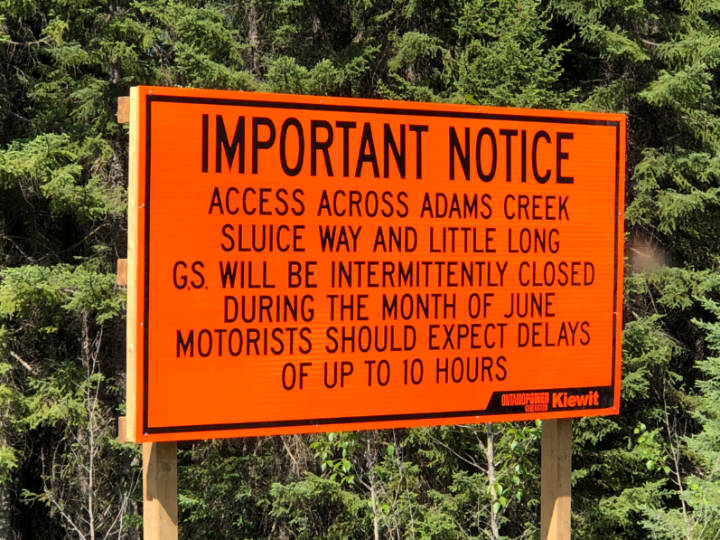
{"points": [[551, 400]]}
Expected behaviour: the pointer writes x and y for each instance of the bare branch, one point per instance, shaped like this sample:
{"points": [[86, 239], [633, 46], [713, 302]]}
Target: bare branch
{"points": [[23, 363]]}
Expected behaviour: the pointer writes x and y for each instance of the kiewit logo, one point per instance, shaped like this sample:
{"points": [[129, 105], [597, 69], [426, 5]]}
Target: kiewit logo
{"points": [[563, 400]]}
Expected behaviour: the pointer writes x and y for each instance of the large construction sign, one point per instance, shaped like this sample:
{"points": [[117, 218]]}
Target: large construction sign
{"points": [[305, 263]]}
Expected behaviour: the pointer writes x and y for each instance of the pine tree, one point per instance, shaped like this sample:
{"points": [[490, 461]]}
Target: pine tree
{"points": [[650, 471]]}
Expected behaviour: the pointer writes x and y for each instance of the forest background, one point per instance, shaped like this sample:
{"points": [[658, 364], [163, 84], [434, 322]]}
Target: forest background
{"points": [[653, 471]]}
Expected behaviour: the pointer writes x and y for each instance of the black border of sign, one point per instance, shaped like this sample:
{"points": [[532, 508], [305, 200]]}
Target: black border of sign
{"points": [[151, 98]]}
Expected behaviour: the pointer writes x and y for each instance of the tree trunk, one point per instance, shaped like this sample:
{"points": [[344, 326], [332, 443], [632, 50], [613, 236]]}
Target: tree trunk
{"points": [[492, 479], [5, 525], [254, 38], [376, 517]]}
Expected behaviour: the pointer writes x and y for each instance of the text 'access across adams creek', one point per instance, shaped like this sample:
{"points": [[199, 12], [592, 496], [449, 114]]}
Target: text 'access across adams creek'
{"points": [[303, 263]]}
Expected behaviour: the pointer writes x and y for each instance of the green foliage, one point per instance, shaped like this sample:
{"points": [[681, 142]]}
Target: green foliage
{"points": [[338, 469], [217, 486], [656, 63], [314, 507], [506, 58], [10, 411], [43, 293], [194, 45], [50, 168], [699, 513]]}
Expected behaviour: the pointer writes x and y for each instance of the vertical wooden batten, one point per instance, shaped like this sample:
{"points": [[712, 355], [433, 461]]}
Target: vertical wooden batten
{"points": [[160, 507], [123, 110], [129, 110], [121, 273]]}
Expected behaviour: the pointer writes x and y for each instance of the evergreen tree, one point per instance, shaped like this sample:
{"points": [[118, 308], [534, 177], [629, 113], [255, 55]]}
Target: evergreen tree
{"points": [[652, 471], [656, 62]]}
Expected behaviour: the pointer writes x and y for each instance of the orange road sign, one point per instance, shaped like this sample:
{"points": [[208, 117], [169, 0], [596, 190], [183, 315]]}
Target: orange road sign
{"points": [[301, 263]]}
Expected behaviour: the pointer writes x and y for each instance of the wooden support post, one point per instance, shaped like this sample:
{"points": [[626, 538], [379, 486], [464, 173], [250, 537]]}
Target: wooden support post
{"points": [[160, 510], [555, 479], [160, 492]]}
